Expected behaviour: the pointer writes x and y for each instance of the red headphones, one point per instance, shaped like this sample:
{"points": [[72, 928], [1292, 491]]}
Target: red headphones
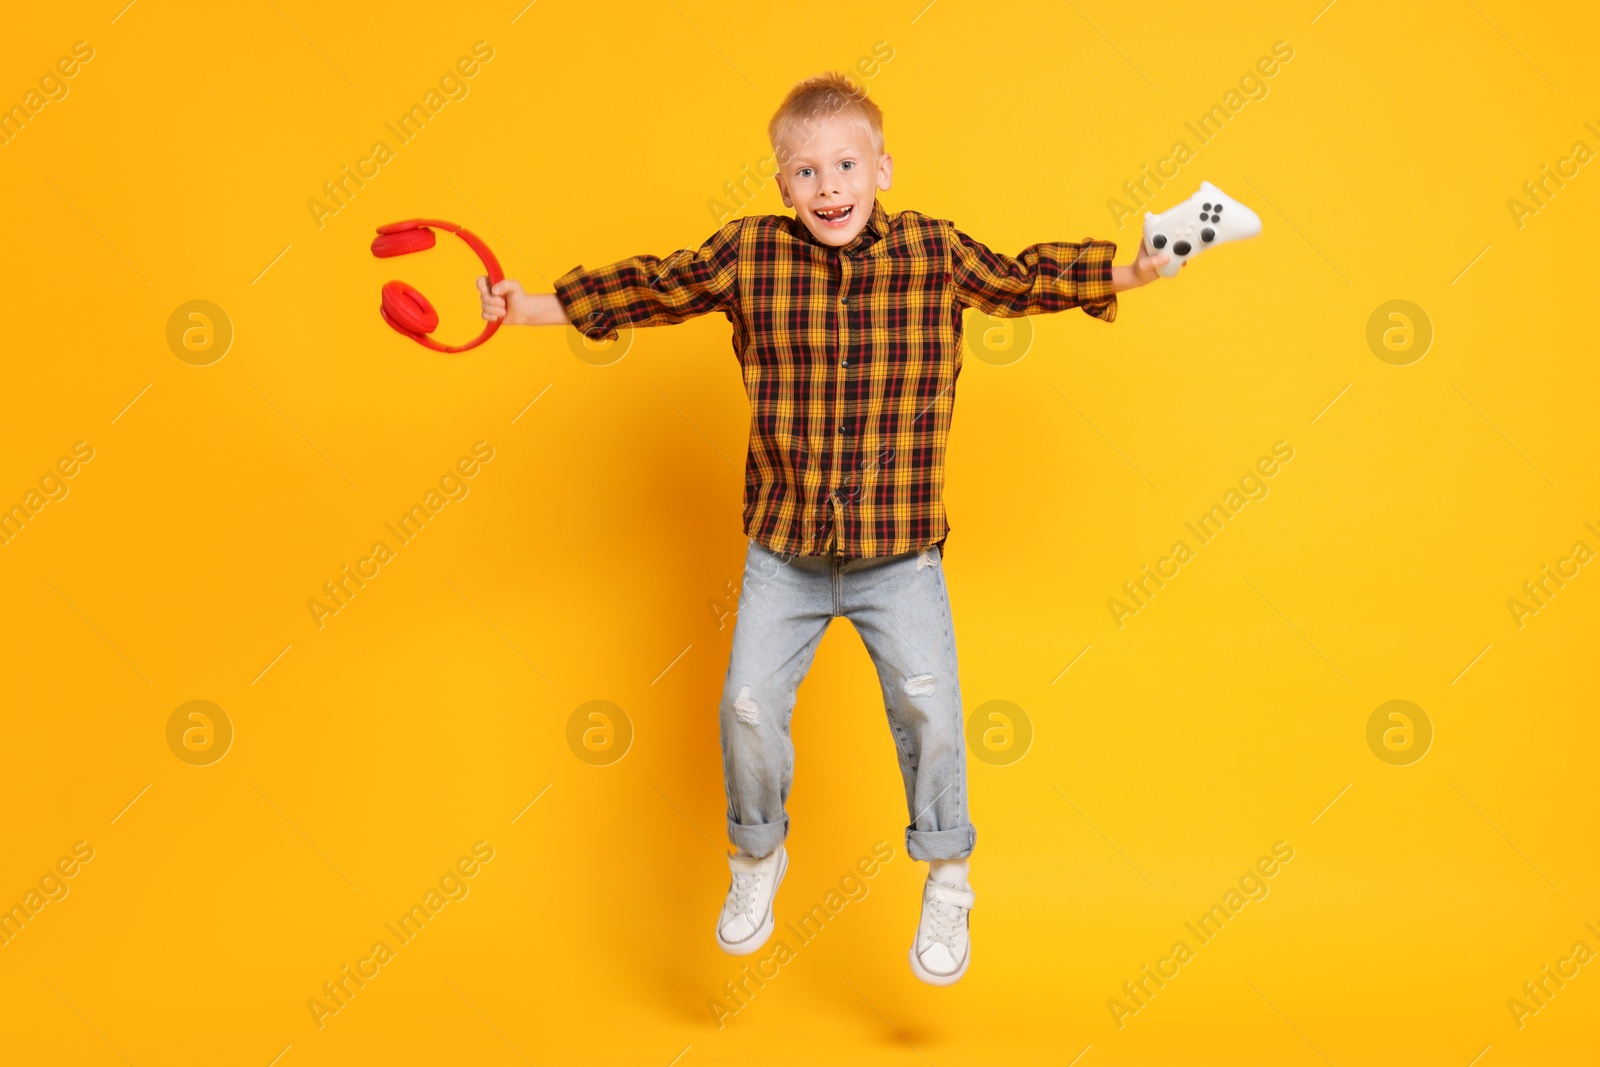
{"points": [[407, 310]]}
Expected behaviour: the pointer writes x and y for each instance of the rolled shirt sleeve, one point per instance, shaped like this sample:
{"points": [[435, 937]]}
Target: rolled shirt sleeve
{"points": [[652, 291], [1050, 276]]}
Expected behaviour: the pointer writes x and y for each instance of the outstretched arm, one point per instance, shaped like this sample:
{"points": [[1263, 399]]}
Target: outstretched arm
{"points": [[638, 291], [1045, 277], [508, 304]]}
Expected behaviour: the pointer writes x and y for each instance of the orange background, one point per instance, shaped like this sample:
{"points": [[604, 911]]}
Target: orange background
{"points": [[592, 555]]}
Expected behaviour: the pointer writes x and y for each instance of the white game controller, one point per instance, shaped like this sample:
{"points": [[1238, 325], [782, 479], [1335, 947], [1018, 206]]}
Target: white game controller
{"points": [[1209, 217]]}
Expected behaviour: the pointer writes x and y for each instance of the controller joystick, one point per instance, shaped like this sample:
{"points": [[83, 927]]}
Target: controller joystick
{"points": [[1209, 217]]}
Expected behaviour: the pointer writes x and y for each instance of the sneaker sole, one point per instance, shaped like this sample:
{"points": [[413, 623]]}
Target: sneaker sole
{"points": [[939, 979], [754, 942]]}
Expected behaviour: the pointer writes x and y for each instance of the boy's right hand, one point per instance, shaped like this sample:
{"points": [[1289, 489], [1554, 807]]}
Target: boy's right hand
{"points": [[505, 302]]}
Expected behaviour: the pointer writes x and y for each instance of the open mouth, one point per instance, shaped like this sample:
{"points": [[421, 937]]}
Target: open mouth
{"points": [[835, 216]]}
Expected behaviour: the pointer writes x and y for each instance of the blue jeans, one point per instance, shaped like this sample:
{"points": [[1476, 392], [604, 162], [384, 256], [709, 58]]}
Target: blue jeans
{"points": [[900, 607]]}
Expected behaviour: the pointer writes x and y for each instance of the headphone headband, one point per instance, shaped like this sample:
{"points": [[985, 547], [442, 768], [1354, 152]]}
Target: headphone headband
{"points": [[407, 310]]}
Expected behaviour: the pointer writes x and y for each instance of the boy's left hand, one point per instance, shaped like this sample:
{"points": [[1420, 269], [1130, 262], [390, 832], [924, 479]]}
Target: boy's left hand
{"points": [[1141, 271], [1144, 266]]}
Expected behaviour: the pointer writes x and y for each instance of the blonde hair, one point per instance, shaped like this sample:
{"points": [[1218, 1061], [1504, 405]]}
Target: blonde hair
{"points": [[817, 99]]}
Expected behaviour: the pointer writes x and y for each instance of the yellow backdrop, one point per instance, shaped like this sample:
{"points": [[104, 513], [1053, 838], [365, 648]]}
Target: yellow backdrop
{"points": [[221, 799]]}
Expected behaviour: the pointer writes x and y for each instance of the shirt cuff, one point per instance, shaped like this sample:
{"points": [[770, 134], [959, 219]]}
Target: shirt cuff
{"points": [[1095, 294], [581, 300]]}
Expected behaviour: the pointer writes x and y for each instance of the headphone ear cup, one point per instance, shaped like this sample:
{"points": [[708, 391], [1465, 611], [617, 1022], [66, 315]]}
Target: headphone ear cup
{"points": [[398, 244], [404, 306]]}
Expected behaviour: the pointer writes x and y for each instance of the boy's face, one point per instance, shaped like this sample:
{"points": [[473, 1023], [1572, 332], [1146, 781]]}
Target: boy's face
{"points": [[831, 178]]}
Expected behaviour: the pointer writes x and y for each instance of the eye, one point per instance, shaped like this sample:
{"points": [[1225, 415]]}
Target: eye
{"points": [[803, 172], [847, 164]]}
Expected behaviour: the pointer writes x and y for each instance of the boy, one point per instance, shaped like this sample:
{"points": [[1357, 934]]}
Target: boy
{"points": [[847, 324]]}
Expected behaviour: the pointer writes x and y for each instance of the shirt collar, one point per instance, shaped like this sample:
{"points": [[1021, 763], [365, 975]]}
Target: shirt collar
{"points": [[877, 227]]}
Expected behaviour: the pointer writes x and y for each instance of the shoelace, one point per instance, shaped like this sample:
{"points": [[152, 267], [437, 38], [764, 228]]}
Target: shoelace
{"points": [[745, 887], [946, 923]]}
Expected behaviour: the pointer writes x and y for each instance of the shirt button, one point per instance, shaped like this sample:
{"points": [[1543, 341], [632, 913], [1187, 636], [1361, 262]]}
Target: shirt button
{"points": [[843, 428], [844, 301], [845, 362]]}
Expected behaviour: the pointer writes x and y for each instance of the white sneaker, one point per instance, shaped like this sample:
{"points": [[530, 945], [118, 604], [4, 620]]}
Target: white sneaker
{"points": [[746, 920], [942, 950]]}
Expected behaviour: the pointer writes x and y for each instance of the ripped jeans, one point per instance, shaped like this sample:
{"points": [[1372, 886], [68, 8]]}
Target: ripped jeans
{"points": [[901, 609]]}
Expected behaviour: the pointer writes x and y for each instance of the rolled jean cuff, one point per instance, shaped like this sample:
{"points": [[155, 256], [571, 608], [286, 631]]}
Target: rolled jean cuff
{"points": [[758, 839], [952, 844]]}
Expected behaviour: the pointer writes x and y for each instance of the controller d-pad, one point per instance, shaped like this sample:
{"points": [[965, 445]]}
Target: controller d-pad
{"points": [[1181, 248]]}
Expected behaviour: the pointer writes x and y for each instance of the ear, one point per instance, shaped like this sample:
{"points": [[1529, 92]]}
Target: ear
{"points": [[783, 191], [885, 171]]}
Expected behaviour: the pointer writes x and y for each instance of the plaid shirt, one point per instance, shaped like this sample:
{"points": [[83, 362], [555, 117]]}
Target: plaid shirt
{"points": [[850, 356]]}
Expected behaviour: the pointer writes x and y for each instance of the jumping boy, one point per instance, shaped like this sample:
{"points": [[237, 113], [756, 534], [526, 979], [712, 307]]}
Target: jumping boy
{"points": [[847, 325]]}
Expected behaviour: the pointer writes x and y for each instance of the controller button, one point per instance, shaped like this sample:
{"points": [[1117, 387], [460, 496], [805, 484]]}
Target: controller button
{"points": [[1217, 208], [1206, 207], [1208, 234], [1159, 240], [1181, 248]]}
